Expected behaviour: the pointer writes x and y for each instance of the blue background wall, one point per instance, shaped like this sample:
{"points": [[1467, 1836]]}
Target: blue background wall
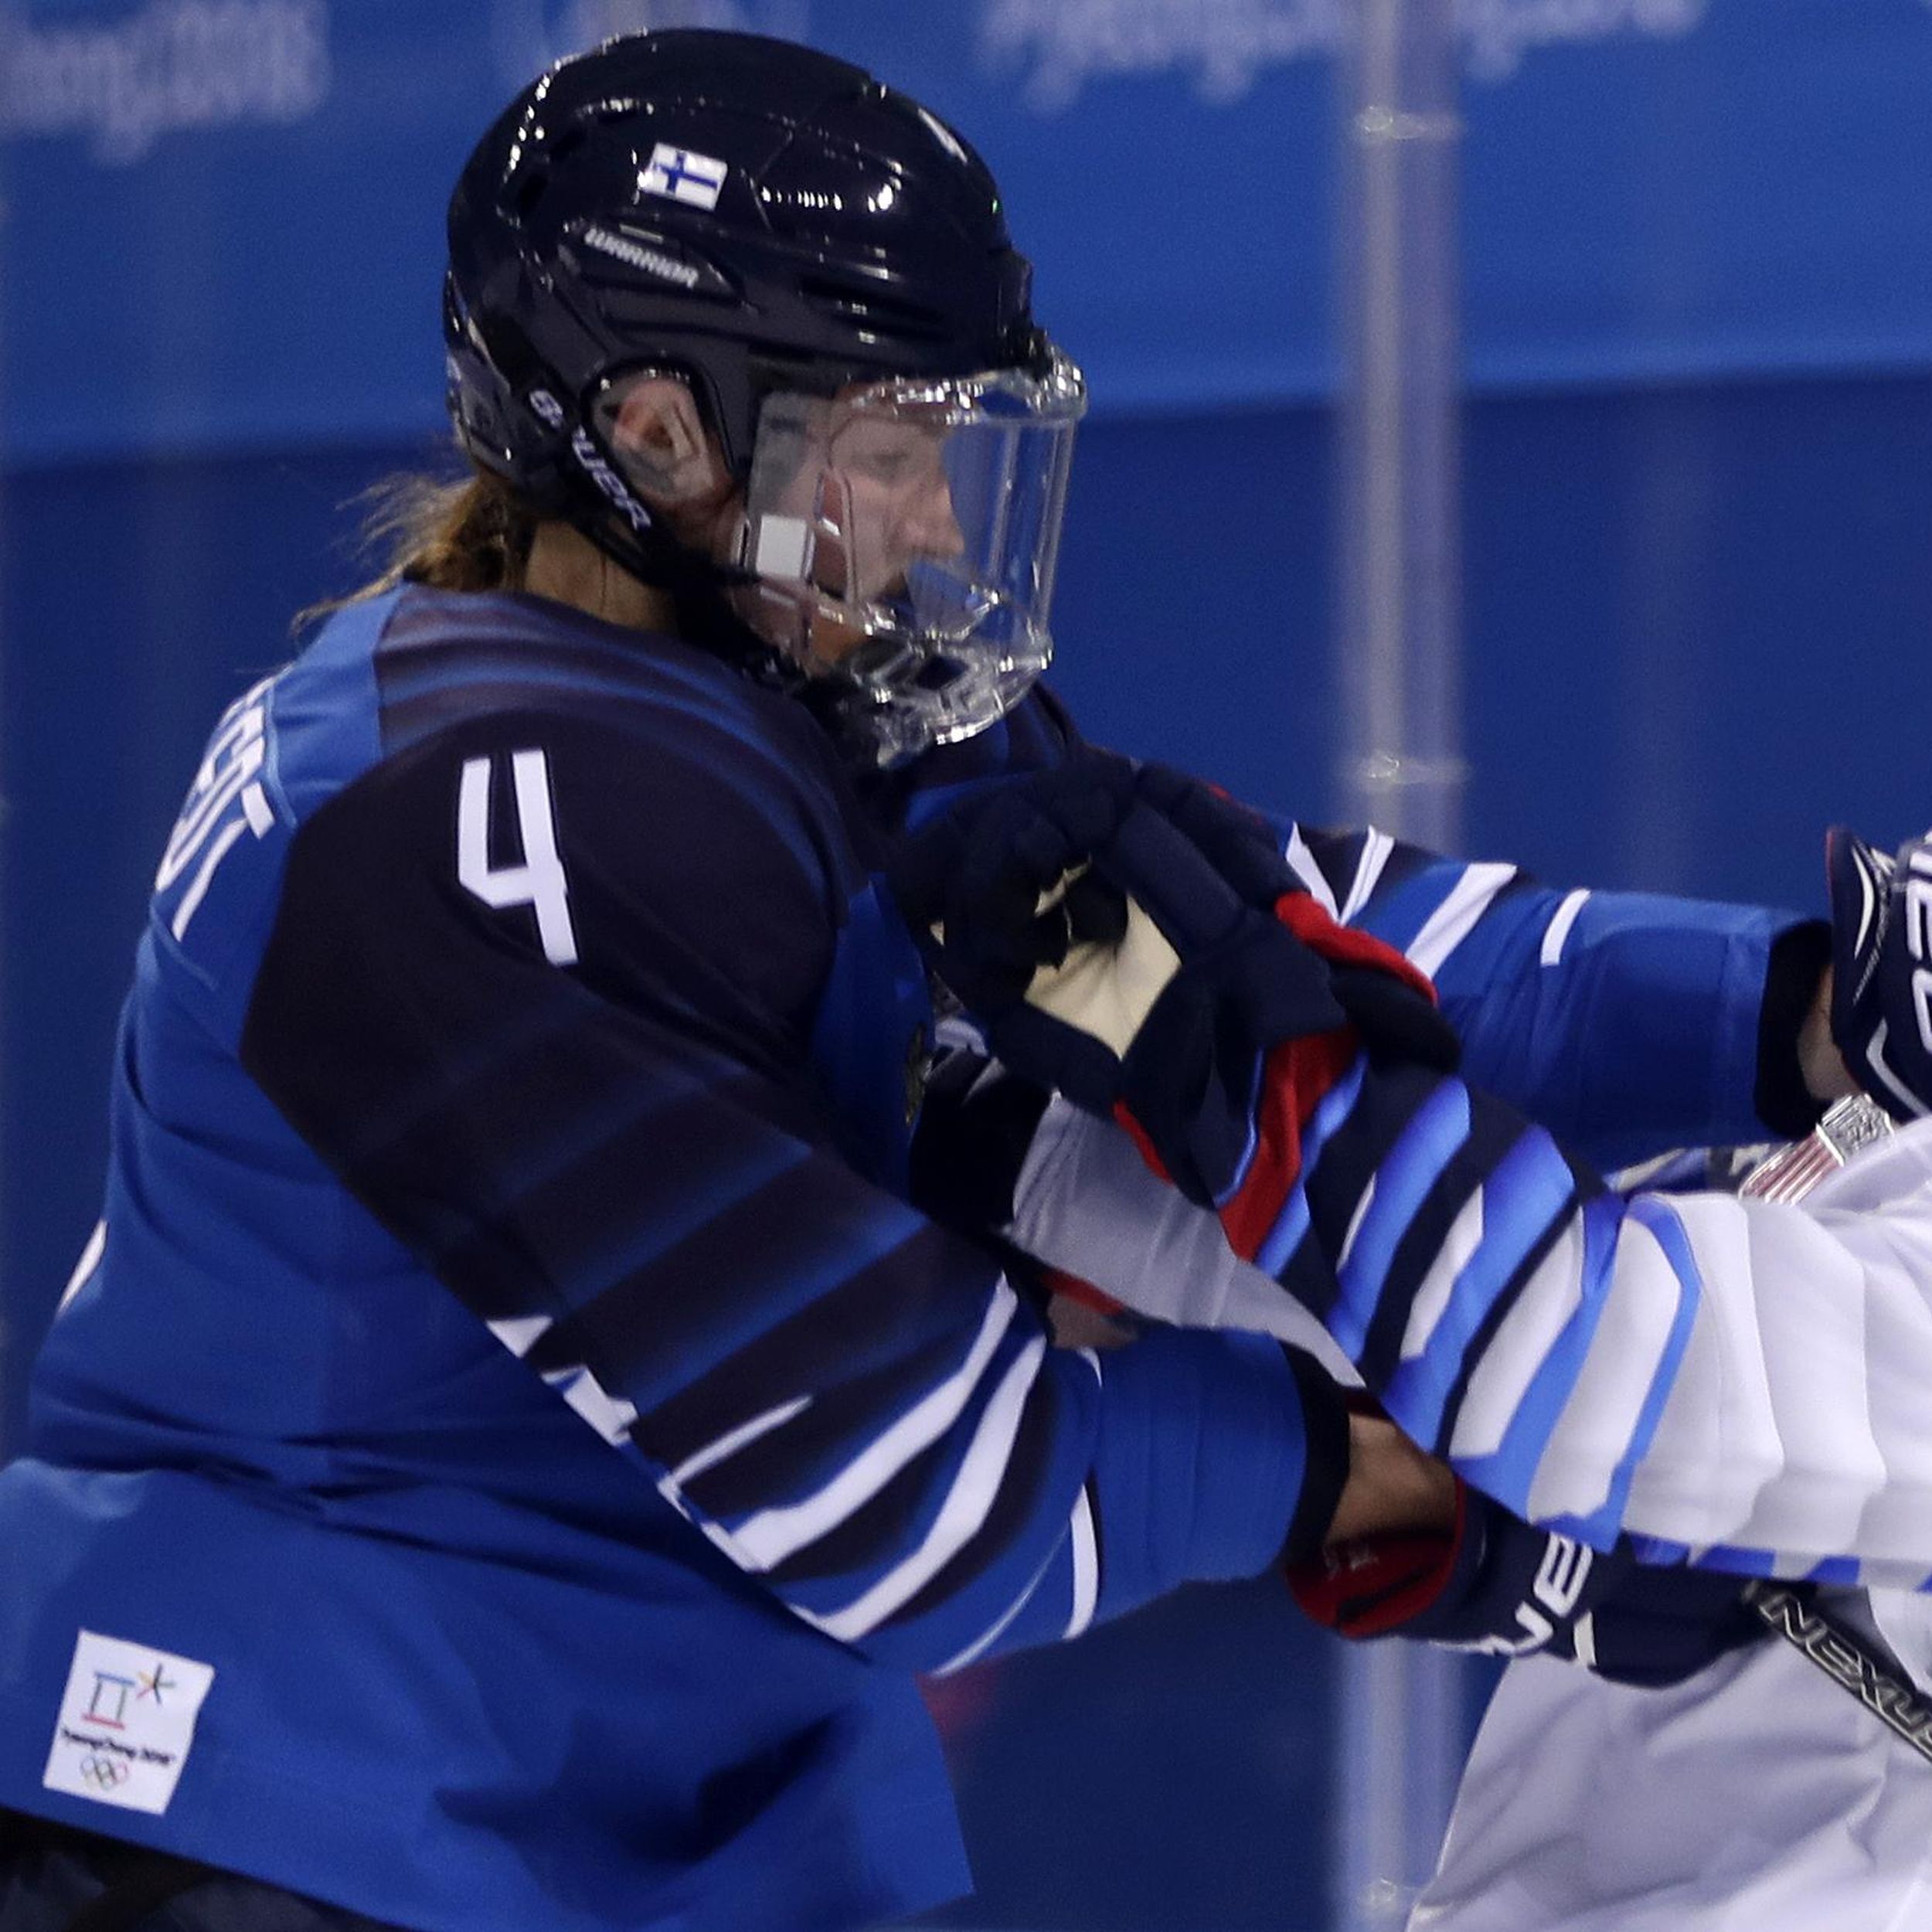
{"points": [[1699, 313]]}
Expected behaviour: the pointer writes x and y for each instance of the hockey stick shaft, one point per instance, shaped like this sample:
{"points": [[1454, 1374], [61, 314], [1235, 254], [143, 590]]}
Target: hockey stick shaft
{"points": [[1847, 1659]]}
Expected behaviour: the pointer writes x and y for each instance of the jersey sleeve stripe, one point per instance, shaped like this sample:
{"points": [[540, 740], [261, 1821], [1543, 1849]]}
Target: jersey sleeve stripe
{"points": [[873, 1323], [611, 1416], [1017, 1519], [1085, 1544], [1439, 1127], [1508, 1469], [1451, 923], [1524, 1200], [994, 1632], [728, 1445], [769, 1536], [1638, 1342], [1376, 848], [965, 1509], [1653, 1212], [1557, 931], [1443, 1279], [83, 1269], [1310, 872], [1332, 1112], [1502, 1383]]}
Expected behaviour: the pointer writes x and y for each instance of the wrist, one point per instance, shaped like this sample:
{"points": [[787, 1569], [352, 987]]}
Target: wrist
{"points": [[1393, 1488], [1826, 1076], [1794, 1046]]}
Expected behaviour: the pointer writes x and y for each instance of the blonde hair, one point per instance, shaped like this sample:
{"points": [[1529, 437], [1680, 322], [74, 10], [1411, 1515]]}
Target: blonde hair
{"points": [[469, 533]]}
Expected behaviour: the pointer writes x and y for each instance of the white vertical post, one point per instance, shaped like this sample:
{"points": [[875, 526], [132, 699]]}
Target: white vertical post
{"points": [[1399, 677]]}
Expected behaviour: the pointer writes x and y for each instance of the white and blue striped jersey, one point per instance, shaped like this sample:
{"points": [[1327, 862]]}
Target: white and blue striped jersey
{"points": [[511, 1380], [1757, 1792], [1732, 1382]]}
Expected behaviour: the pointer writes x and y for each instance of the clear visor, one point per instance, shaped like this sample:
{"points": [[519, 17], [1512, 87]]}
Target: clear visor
{"points": [[902, 538]]}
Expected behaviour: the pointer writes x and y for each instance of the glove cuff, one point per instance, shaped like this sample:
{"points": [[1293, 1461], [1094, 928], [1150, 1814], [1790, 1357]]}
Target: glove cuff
{"points": [[976, 1122], [1798, 958], [1325, 1427], [1380, 1585]]}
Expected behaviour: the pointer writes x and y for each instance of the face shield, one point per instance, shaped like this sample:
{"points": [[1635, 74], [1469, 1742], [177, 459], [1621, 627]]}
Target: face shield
{"points": [[900, 539]]}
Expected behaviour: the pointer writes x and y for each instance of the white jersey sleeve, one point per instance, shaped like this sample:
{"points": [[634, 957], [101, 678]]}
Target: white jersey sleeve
{"points": [[1748, 1390]]}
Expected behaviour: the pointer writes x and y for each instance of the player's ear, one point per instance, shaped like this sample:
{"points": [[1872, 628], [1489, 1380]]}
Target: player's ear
{"points": [[659, 435]]}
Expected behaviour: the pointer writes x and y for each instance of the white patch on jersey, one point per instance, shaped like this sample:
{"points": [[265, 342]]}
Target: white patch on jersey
{"points": [[678, 174], [127, 1724]]}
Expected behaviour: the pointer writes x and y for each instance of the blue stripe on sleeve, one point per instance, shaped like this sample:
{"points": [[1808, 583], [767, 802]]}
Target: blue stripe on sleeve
{"points": [[1509, 1473], [1841, 1571], [1428, 1142], [1527, 1192], [1331, 1110], [1600, 1526]]}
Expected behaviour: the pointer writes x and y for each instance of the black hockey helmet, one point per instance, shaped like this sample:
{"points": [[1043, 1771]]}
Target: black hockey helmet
{"points": [[761, 220]]}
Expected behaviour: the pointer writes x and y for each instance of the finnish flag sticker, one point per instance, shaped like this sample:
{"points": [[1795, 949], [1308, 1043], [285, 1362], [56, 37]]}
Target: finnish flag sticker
{"points": [[127, 1723], [678, 174]]}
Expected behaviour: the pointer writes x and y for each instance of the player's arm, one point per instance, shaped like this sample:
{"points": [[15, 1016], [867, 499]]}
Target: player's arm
{"points": [[1627, 1023], [542, 997], [1601, 1364]]}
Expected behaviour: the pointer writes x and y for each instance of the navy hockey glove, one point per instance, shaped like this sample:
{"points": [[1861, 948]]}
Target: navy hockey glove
{"points": [[1183, 983], [1881, 973], [1390, 1003], [1499, 1586]]}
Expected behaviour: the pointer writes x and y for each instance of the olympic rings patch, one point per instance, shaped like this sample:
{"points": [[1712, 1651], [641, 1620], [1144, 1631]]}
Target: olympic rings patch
{"points": [[104, 1774]]}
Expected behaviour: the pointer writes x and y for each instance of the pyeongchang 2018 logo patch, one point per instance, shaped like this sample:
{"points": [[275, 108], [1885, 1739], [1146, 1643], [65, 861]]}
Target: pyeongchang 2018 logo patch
{"points": [[127, 1723], [173, 67], [1227, 47]]}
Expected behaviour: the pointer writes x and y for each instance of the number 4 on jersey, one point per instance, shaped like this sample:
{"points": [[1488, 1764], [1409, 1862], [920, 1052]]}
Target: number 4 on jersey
{"points": [[538, 881]]}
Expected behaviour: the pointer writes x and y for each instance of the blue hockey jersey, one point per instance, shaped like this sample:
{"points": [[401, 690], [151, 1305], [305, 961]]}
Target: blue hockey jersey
{"points": [[512, 1443]]}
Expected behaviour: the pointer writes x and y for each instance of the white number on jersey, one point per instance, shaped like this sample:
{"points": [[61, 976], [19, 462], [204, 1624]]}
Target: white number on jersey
{"points": [[225, 800], [539, 881]]}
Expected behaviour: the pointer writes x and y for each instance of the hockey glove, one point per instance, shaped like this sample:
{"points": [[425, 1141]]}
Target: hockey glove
{"points": [[1881, 973], [1127, 938], [1498, 1586]]}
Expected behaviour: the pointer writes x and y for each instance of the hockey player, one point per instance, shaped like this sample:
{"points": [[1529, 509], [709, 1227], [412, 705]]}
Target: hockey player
{"points": [[1645, 1377], [1759, 1792], [513, 1439]]}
